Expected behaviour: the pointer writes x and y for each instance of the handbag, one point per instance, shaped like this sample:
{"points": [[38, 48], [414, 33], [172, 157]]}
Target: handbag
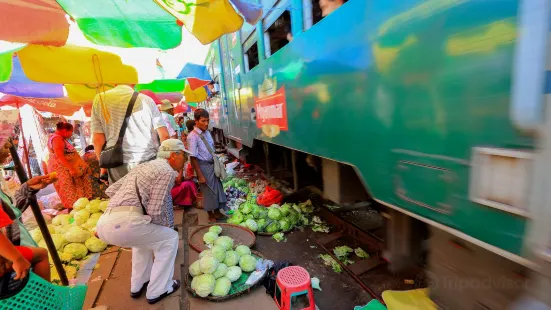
{"points": [[112, 157], [219, 168]]}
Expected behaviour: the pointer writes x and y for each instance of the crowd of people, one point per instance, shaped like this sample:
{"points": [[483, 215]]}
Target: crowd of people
{"points": [[167, 162]]}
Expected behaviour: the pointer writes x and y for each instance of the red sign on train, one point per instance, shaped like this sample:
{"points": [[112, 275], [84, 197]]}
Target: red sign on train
{"points": [[272, 110]]}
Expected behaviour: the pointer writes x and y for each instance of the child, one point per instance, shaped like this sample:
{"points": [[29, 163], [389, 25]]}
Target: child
{"points": [[21, 257]]}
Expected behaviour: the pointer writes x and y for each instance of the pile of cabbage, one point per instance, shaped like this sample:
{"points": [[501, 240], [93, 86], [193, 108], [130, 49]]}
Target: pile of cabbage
{"points": [[73, 234], [219, 266], [273, 219]]}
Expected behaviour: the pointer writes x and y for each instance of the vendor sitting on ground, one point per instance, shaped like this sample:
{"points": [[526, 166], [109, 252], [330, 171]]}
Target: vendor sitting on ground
{"points": [[140, 215], [184, 192], [15, 255]]}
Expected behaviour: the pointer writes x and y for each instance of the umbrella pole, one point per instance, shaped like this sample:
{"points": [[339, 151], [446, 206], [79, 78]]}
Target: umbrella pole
{"points": [[24, 144], [40, 219]]}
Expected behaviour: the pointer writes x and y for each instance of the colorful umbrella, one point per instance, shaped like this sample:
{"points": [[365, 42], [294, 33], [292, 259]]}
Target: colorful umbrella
{"points": [[33, 21], [196, 75], [20, 85]]}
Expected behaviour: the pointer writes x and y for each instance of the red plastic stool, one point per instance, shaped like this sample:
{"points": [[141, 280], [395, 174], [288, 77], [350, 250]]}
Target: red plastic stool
{"points": [[293, 282]]}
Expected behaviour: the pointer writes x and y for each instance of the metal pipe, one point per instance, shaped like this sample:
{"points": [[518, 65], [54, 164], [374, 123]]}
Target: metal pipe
{"points": [[40, 219], [25, 150], [267, 158], [294, 164]]}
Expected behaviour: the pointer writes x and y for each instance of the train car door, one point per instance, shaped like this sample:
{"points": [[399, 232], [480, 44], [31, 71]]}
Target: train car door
{"points": [[230, 70]]}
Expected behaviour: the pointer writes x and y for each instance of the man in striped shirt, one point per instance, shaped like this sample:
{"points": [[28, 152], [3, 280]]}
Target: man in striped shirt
{"points": [[146, 128]]}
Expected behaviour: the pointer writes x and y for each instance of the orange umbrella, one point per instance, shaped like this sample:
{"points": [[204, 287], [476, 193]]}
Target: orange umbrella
{"points": [[33, 21]]}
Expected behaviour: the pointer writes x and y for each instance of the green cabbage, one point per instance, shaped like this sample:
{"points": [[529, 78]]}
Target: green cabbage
{"points": [[236, 219], [77, 234], [205, 253], [285, 210], [36, 234], [95, 245], [251, 224], [218, 252], [78, 250], [204, 285], [261, 224], [81, 203], [234, 273], [274, 213], [62, 219], [61, 229], [81, 217], [247, 263], [242, 250], [273, 227], [216, 229], [221, 287], [195, 269], [103, 205], [262, 213], [243, 224], [284, 225], [91, 222], [220, 271], [232, 259], [59, 242], [293, 217], [210, 237], [247, 208], [96, 216], [208, 264], [94, 206], [225, 242]]}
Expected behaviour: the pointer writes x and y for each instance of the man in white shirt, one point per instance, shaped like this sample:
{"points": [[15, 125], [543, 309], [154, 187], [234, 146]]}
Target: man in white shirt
{"points": [[144, 132]]}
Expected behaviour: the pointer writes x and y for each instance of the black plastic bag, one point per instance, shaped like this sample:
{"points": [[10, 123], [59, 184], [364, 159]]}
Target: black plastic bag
{"points": [[270, 279]]}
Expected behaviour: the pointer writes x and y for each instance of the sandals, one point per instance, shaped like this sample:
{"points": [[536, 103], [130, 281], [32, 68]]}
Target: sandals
{"points": [[140, 292], [175, 286]]}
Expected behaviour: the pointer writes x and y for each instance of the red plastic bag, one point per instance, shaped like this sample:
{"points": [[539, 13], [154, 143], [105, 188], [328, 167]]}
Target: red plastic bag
{"points": [[269, 197]]}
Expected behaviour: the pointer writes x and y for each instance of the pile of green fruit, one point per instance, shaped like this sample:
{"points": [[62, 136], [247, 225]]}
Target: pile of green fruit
{"points": [[273, 219], [217, 268]]}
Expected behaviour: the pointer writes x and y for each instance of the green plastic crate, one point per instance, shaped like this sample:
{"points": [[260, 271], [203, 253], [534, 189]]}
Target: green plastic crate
{"points": [[39, 294]]}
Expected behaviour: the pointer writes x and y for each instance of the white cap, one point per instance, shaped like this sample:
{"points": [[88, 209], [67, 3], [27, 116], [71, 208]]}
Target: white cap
{"points": [[171, 145]]}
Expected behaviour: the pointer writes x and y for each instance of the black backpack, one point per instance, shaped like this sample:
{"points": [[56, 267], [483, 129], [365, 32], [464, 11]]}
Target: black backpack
{"points": [[270, 279]]}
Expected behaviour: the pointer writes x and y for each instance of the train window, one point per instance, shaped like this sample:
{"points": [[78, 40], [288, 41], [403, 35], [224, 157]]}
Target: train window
{"points": [[279, 33], [316, 10], [251, 57]]}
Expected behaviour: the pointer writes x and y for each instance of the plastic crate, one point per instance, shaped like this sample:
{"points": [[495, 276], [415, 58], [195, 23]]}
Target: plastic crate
{"points": [[38, 294]]}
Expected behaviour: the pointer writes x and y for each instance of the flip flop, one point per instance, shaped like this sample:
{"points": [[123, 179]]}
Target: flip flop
{"points": [[175, 286], [139, 294]]}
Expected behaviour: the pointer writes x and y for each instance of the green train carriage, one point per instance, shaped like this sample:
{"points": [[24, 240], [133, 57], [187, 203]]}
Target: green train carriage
{"points": [[438, 106]]}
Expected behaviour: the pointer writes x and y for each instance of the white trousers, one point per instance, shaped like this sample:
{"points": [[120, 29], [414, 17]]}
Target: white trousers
{"points": [[154, 248]]}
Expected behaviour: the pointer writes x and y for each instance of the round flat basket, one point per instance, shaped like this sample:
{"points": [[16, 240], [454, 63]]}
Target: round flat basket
{"points": [[239, 234], [238, 287]]}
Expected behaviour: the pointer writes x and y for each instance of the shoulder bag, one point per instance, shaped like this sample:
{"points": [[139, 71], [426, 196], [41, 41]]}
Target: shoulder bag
{"points": [[219, 168], [112, 157]]}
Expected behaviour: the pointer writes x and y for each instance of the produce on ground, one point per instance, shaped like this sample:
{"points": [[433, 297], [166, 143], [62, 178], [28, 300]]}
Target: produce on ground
{"points": [[213, 274], [73, 235], [361, 253], [276, 218], [342, 252], [279, 237], [329, 261]]}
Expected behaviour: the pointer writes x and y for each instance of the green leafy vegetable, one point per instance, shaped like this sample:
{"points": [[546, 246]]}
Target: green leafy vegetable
{"points": [[279, 237], [361, 253], [247, 263], [329, 261]]}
